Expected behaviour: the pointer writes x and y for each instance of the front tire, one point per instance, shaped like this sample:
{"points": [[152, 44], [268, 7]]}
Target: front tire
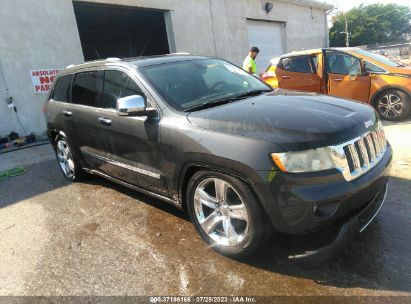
{"points": [[67, 161], [393, 104], [225, 213]]}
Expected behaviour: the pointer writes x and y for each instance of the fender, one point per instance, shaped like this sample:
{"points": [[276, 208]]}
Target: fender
{"points": [[200, 161], [388, 87], [53, 133]]}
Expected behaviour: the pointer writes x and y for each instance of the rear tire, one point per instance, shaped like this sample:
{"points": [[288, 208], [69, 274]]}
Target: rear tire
{"points": [[67, 161], [393, 104], [225, 213]]}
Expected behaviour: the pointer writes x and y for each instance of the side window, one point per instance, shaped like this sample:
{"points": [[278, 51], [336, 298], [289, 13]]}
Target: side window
{"points": [[300, 64], [340, 63], [118, 84], [314, 60], [373, 68], [84, 89], [62, 89]]}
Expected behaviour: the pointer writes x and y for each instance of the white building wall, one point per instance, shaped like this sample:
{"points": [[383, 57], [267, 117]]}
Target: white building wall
{"points": [[37, 34], [34, 34]]}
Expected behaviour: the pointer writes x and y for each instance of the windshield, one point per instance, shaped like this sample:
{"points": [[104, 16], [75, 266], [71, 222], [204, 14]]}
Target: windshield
{"points": [[187, 84], [379, 58]]}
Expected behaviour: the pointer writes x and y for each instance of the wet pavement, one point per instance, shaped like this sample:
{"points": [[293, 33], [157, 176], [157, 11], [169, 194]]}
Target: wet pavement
{"points": [[99, 238]]}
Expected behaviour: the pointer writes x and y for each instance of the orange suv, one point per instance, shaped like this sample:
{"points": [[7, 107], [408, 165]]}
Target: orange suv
{"points": [[350, 73]]}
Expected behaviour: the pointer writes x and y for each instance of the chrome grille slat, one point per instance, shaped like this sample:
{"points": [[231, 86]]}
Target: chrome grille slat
{"points": [[376, 144], [370, 147], [356, 157], [364, 154]]}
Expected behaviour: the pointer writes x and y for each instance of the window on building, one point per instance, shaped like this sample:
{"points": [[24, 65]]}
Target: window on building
{"points": [[118, 84], [300, 64], [62, 89], [340, 63], [85, 89]]}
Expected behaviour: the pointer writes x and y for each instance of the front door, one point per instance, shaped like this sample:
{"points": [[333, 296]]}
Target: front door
{"points": [[132, 143], [345, 76], [298, 73]]}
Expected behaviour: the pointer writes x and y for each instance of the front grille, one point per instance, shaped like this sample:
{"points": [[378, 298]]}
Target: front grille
{"points": [[363, 153], [359, 155]]}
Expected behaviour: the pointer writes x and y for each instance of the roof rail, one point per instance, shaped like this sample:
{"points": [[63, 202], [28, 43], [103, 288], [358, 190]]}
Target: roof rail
{"points": [[109, 59], [113, 59], [179, 53]]}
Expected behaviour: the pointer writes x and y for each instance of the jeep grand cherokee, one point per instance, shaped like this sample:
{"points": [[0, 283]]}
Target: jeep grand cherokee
{"points": [[240, 158]]}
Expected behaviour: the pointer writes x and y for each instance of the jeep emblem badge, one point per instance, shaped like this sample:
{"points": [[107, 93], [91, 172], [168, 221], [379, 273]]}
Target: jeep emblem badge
{"points": [[368, 124]]}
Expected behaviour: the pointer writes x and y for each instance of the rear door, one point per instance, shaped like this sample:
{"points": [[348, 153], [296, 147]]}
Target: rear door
{"points": [[59, 107], [133, 143], [298, 73], [87, 105], [345, 76]]}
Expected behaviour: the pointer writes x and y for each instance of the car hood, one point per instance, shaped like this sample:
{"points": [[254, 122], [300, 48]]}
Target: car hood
{"points": [[403, 70], [293, 120]]}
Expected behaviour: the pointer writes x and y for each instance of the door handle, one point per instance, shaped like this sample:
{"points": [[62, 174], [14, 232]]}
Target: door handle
{"points": [[286, 77], [337, 79], [67, 113], [104, 121]]}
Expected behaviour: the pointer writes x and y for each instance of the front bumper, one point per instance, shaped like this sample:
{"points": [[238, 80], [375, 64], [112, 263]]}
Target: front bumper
{"points": [[303, 203], [348, 230]]}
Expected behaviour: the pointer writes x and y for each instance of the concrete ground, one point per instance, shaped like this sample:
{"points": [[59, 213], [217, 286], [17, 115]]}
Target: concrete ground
{"points": [[98, 238]]}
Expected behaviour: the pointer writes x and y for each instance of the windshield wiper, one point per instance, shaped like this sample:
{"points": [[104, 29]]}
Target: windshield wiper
{"points": [[252, 93], [207, 105]]}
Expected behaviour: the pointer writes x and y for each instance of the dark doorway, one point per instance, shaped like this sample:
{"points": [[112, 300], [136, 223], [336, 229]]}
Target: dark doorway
{"points": [[120, 31]]}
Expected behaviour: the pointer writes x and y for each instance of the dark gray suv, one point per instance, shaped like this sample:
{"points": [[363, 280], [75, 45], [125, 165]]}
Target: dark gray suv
{"points": [[206, 136]]}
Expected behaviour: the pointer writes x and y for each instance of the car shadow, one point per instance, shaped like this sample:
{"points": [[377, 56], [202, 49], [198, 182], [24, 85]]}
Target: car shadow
{"points": [[378, 259], [37, 179], [146, 199], [372, 260]]}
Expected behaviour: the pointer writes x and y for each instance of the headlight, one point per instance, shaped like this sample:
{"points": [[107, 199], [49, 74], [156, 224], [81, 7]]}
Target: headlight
{"points": [[304, 161]]}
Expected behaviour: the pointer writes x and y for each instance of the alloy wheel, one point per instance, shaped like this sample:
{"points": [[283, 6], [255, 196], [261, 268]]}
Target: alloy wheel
{"points": [[390, 105], [221, 212], [65, 159]]}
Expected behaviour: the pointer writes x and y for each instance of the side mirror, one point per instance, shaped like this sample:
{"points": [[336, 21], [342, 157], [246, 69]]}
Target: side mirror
{"points": [[134, 105]]}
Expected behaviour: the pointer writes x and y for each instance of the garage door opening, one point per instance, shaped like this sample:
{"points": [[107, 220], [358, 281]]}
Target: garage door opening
{"points": [[268, 37], [119, 31]]}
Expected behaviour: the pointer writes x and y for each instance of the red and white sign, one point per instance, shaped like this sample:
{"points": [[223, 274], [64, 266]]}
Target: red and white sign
{"points": [[42, 79]]}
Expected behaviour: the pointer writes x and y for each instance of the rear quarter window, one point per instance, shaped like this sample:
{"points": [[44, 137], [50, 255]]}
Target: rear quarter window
{"points": [[61, 90], [300, 64], [373, 68]]}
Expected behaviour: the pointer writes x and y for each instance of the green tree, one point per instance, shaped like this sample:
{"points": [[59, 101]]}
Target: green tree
{"points": [[374, 23]]}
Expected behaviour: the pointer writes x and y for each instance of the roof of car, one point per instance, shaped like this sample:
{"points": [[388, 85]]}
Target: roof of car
{"points": [[160, 59], [135, 61], [316, 51]]}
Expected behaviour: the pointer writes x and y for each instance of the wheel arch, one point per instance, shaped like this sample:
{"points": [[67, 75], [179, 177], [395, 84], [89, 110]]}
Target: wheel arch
{"points": [[191, 168], [53, 134], [386, 88], [247, 176]]}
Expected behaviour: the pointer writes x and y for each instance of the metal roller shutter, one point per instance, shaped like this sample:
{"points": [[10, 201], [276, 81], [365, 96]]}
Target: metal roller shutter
{"points": [[267, 36]]}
